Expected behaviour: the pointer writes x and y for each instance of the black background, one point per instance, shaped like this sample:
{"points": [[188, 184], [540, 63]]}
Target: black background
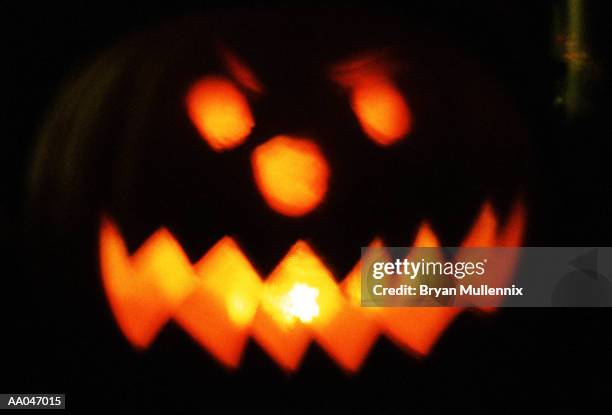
{"points": [[559, 358]]}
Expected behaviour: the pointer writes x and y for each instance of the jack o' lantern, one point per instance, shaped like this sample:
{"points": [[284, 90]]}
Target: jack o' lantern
{"points": [[230, 169]]}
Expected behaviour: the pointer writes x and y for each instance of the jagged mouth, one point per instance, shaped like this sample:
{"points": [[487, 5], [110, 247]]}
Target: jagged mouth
{"points": [[221, 299]]}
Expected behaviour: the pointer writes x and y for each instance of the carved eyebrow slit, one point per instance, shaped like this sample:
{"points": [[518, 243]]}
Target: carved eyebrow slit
{"points": [[240, 72], [378, 104]]}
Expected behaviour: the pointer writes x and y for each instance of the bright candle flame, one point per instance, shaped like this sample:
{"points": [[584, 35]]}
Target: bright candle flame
{"points": [[301, 303]]}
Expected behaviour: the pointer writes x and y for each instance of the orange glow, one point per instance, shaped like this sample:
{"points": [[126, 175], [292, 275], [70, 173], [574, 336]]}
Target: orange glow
{"points": [[300, 296], [220, 112], [513, 233], [291, 174], [426, 238], [219, 311], [381, 110], [484, 231], [241, 292], [301, 303], [351, 334], [241, 72], [380, 107], [144, 289], [221, 300], [352, 283], [417, 328]]}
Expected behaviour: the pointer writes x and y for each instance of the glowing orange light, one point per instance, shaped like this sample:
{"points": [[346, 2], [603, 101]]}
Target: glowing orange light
{"points": [[220, 309], [350, 335], [381, 110], [291, 174], [220, 112], [241, 291], [241, 72], [426, 238], [352, 283], [301, 303], [417, 328], [483, 232], [380, 107], [144, 289], [301, 296], [221, 300], [513, 233]]}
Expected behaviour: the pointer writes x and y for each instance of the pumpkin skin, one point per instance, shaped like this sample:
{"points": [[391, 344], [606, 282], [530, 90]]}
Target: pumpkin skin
{"points": [[121, 143]]}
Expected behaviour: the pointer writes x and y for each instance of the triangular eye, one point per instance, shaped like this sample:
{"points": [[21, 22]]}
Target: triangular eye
{"points": [[220, 112]]}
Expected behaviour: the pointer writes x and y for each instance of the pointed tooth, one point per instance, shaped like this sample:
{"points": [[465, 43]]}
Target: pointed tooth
{"points": [[300, 295], [426, 237], [483, 231], [161, 260], [219, 311], [140, 289]]}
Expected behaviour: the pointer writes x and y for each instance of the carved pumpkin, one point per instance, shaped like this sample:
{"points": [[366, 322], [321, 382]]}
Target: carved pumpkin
{"points": [[230, 169]]}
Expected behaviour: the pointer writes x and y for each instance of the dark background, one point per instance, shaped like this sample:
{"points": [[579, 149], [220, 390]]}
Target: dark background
{"points": [[559, 358]]}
